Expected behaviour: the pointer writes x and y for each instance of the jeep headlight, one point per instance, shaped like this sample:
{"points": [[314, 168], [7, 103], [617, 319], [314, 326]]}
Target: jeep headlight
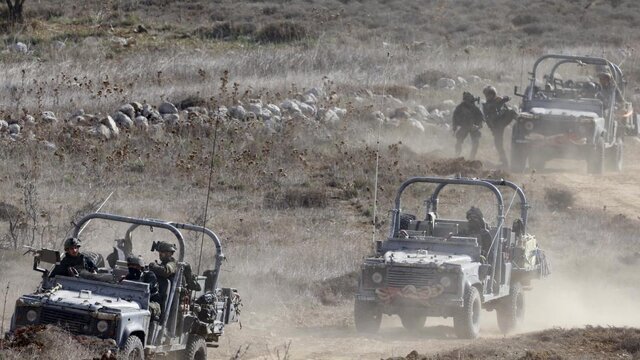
{"points": [[445, 281], [102, 326], [32, 316], [376, 277]]}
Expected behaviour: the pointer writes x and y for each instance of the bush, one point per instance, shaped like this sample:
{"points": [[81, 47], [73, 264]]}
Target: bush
{"points": [[296, 198], [558, 199], [533, 29], [226, 31], [283, 31]]}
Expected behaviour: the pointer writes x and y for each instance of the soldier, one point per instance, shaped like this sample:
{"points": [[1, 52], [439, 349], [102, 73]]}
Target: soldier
{"points": [[608, 88], [167, 267], [478, 228], [137, 273], [497, 116], [467, 120], [73, 262]]}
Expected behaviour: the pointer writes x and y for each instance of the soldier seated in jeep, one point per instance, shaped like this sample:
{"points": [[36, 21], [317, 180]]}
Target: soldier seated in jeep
{"points": [[74, 262], [478, 228], [137, 272]]}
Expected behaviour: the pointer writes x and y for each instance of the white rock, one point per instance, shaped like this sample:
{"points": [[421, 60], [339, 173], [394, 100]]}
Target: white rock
{"points": [[449, 103], [461, 80], [59, 45], [341, 112], [238, 112], [309, 99], [416, 124], [123, 120], [171, 119], [111, 125], [422, 112], [141, 122], [29, 120], [49, 117], [307, 110], [377, 116], [290, 106], [128, 110], [446, 83], [49, 145], [316, 92], [119, 40], [255, 107], [330, 117], [14, 129], [265, 114], [275, 110], [3, 125], [91, 41], [100, 131], [474, 79], [20, 47], [167, 108]]}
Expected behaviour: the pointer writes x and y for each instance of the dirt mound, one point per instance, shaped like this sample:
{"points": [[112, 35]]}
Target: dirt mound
{"points": [[49, 342], [466, 168], [586, 343]]}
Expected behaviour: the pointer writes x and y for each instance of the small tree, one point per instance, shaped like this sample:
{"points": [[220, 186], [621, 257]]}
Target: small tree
{"points": [[15, 10]]}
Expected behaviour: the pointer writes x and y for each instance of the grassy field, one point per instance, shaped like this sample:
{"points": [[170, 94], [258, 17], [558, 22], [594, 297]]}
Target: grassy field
{"points": [[294, 209]]}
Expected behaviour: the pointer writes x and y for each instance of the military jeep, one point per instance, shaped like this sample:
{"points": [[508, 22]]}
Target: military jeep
{"points": [[572, 118], [432, 267], [104, 306]]}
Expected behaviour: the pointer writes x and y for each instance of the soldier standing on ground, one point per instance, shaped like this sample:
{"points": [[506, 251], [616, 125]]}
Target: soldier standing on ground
{"points": [[467, 121], [497, 116]]}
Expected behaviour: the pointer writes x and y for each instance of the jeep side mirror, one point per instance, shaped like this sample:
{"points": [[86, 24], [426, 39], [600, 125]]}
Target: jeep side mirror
{"points": [[49, 256]]}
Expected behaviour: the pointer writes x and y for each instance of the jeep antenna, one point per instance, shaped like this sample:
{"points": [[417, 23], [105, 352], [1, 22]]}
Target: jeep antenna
{"points": [[375, 184], [97, 210], [206, 204]]}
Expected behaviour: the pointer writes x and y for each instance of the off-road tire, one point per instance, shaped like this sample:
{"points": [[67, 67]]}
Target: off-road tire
{"points": [[412, 320], [466, 322], [518, 157], [132, 349], [510, 311], [367, 316], [196, 348], [595, 162]]}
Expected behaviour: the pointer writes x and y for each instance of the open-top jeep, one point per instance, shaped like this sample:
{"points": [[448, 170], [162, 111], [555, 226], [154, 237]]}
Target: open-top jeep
{"points": [[572, 118], [437, 267], [105, 306]]}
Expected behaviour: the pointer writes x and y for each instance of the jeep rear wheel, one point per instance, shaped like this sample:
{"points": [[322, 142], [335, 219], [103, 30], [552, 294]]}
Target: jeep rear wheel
{"points": [[412, 320], [510, 311], [466, 322], [132, 349], [367, 316], [196, 348]]}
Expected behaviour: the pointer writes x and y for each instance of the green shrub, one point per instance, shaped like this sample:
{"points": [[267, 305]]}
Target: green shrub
{"points": [[282, 31]]}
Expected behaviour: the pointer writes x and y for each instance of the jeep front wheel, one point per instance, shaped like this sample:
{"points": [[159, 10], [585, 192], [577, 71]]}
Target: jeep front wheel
{"points": [[367, 316], [132, 350], [196, 348], [412, 320], [466, 322], [510, 311]]}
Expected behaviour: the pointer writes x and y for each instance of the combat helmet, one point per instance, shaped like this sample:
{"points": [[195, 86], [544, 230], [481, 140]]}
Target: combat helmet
{"points": [[489, 90], [135, 260], [163, 246], [71, 242]]}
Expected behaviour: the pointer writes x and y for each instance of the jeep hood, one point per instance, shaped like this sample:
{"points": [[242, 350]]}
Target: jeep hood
{"points": [[424, 257], [90, 302], [563, 112]]}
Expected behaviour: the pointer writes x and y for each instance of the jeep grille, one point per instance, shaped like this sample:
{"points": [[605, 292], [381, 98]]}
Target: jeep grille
{"points": [[418, 277], [69, 321]]}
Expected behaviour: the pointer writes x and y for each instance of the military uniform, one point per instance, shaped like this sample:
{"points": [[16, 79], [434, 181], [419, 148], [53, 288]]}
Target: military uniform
{"points": [[498, 116], [467, 121], [146, 277], [73, 265], [477, 228]]}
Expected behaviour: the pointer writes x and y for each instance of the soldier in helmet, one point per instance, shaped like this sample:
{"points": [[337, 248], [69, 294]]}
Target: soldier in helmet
{"points": [[137, 273], [497, 116], [478, 228], [467, 121], [609, 90], [74, 262], [167, 266]]}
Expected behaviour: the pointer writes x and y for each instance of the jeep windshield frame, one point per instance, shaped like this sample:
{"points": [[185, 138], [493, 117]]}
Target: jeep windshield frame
{"points": [[168, 225], [395, 213]]}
